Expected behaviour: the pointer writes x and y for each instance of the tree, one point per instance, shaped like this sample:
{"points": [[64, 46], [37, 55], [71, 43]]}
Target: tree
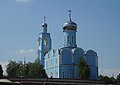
{"points": [[83, 69], [113, 80], [1, 72], [101, 77], [108, 80], [36, 70], [20, 69], [26, 70], [12, 69], [118, 78]]}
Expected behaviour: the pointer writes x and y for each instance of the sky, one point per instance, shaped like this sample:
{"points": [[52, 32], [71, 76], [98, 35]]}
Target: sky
{"points": [[98, 29]]}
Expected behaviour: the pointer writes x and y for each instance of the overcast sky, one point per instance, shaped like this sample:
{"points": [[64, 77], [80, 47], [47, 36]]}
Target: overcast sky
{"points": [[98, 28]]}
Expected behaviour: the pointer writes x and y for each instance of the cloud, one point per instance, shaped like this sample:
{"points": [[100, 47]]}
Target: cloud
{"points": [[23, 51], [22, 0], [4, 64], [110, 71], [31, 53]]}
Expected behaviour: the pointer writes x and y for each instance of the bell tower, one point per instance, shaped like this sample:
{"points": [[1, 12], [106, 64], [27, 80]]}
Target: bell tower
{"points": [[44, 42]]}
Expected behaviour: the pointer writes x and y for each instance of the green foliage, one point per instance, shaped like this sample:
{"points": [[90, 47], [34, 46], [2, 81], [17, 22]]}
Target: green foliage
{"points": [[108, 80], [28, 70], [1, 72], [118, 77], [83, 69], [12, 69], [36, 70], [20, 69], [114, 81]]}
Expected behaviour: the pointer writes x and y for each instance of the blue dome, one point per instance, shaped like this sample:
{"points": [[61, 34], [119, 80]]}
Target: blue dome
{"points": [[70, 25], [91, 53]]}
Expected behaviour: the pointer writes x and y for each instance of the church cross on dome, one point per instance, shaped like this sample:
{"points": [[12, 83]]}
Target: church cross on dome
{"points": [[69, 14], [44, 19]]}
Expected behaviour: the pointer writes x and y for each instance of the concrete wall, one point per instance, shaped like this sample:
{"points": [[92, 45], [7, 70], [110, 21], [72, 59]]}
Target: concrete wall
{"points": [[55, 82]]}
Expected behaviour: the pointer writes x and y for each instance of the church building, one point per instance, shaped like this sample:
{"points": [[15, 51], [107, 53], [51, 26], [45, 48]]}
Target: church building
{"points": [[63, 62]]}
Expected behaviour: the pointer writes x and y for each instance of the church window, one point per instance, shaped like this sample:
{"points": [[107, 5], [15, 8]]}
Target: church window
{"points": [[53, 52], [45, 41], [63, 74], [72, 39], [68, 39], [56, 60], [51, 74], [51, 62], [70, 75], [59, 51]]}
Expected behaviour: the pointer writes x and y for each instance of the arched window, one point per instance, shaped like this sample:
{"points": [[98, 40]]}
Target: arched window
{"points": [[51, 74], [56, 60], [70, 75], [51, 62], [63, 74], [45, 41], [72, 39], [68, 39]]}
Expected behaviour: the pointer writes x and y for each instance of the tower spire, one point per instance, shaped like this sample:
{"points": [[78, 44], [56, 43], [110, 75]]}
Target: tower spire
{"points": [[69, 11], [44, 19], [44, 25]]}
